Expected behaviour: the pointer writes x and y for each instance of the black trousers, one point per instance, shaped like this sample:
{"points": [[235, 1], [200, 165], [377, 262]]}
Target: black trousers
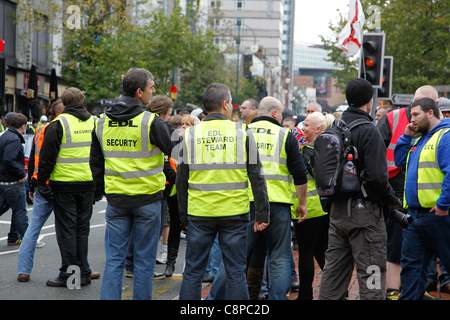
{"points": [[312, 239], [73, 212]]}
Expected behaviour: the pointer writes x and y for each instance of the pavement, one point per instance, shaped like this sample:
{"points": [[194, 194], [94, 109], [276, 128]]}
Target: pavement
{"points": [[353, 289], [47, 262]]}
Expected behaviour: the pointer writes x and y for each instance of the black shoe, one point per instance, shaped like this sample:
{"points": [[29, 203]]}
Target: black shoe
{"points": [[208, 278], [57, 282], [169, 270], [61, 283], [85, 281]]}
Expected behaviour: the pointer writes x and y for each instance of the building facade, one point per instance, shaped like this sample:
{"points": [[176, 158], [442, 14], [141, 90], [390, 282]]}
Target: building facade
{"points": [[312, 70], [24, 48]]}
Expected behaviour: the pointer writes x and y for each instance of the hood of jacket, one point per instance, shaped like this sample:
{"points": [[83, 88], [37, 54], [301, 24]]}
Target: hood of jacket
{"points": [[125, 108], [77, 110], [444, 123]]}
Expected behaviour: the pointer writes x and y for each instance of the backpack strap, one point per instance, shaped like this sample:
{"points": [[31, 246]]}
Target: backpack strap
{"points": [[349, 127]]}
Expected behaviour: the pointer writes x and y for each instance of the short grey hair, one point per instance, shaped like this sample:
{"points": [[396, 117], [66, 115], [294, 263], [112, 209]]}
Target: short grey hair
{"points": [[214, 95], [135, 78]]}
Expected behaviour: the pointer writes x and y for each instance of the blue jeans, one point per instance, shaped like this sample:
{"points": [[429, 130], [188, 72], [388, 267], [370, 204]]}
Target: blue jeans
{"points": [[232, 242], [17, 199], [41, 211], [425, 237], [432, 277], [215, 258], [145, 223], [278, 241]]}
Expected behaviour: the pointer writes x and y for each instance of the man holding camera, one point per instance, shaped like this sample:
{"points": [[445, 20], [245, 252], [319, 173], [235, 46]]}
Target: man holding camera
{"points": [[357, 235], [427, 195]]}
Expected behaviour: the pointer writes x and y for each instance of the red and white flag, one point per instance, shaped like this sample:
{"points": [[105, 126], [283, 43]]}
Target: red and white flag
{"points": [[350, 37]]}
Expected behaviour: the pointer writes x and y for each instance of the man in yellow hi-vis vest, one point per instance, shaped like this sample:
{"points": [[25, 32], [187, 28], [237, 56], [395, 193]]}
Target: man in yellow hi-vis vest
{"points": [[219, 157], [127, 159], [64, 161], [282, 163], [427, 195]]}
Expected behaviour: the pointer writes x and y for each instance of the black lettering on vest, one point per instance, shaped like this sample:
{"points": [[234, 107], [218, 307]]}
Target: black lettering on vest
{"points": [[114, 124]]}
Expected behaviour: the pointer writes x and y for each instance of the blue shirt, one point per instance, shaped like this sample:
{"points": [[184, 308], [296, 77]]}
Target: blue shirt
{"points": [[404, 145]]}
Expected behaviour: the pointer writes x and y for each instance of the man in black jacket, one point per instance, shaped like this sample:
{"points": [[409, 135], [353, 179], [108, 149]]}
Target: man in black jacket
{"points": [[13, 176], [64, 161], [357, 233], [127, 159]]}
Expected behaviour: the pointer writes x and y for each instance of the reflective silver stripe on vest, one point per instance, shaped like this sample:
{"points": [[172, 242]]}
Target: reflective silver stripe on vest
{"points": [[431, 165], [239, 144], [75, 144], [69, 144], [72, 160], [144, 153], [219, 186], [396, 116], [135, 174], [191, 141], [37, 151], [216, 166], [429, 186], [276, 157], [277, 177]]}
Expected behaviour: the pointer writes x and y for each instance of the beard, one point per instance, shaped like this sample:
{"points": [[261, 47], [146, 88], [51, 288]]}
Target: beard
{"points": [[423, 126]]}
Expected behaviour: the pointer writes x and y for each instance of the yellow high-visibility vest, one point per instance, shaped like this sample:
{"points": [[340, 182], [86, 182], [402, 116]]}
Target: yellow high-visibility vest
{"points": [[271, 141], [72, 163], [216, 153], [133, 165], [429, 175]]}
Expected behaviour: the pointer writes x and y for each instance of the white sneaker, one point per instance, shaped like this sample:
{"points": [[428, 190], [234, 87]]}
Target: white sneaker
{"points": [[40, 244], [162, 259]]}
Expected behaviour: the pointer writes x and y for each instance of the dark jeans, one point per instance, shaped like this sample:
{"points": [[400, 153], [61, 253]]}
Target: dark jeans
{"points": [[278, 242], [426, 236], [14, 196], [73, 213], [232, 242]]}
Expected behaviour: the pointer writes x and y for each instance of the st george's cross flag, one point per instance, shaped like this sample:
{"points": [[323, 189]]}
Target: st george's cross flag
{"points": [[350, 37]]}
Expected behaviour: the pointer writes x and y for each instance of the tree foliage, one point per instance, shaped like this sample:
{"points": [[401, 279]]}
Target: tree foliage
{"points": [[110, 41], [417, 36]]}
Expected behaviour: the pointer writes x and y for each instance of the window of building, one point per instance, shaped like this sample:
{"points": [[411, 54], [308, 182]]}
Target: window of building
{"points": [[8, 29], [239, 5]]}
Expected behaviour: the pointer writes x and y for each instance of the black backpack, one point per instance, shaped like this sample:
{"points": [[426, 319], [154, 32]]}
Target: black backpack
{"points": [[331, 149]]}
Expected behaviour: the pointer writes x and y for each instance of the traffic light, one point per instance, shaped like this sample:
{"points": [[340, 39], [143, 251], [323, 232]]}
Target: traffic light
{"points": [[2, 47], [173, 92], [371, 62], [385, 92]]}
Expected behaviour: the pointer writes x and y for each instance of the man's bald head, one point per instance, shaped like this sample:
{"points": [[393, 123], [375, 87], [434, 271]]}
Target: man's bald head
{"points": [[426, 92], [267, 105], [271, 107]]}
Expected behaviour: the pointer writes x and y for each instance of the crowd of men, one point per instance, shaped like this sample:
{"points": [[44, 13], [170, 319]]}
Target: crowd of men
{"points": [[244, 182]]}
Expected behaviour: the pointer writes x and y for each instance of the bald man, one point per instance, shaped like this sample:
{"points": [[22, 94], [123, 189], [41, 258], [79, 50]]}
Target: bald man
{"points": [[392, 126]]}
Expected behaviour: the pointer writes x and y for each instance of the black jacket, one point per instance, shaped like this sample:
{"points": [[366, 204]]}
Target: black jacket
{"points": [[372, 154], [50, 150], [160, 135], [12, 159]]}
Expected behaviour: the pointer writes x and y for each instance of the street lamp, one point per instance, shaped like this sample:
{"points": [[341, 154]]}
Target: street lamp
{"points": [[253, 49]]}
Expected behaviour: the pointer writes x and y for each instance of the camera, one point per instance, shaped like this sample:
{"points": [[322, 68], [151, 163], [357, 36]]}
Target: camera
{"points": [[400, 218]]}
